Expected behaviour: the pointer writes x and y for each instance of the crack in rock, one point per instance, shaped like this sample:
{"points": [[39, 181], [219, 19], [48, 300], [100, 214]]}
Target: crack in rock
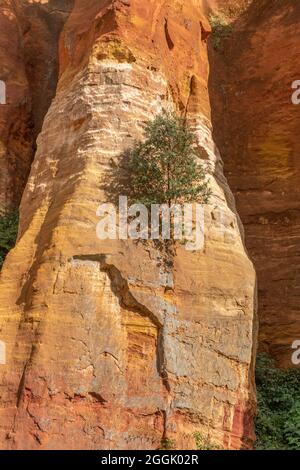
{"points": [[127, 299]]}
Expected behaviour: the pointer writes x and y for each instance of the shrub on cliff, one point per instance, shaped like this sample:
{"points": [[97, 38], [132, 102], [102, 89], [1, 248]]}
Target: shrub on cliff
{"points": [[163, 168], [8, 233], [278, 418], [220, 31], [204, 442]]}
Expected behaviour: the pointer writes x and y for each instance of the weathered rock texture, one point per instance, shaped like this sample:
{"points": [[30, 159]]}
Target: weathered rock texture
{"points": [[16, 140], [29, 68], [106, 347], [257, 127], [229, 9]]}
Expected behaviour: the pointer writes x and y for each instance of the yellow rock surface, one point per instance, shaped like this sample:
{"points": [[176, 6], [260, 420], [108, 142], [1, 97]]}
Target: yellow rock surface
{"points": [[106, 347]]}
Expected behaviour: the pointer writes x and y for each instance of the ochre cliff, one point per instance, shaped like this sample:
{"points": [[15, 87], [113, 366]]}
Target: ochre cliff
{"points": [[29, 69], [257, 127], [16, 140], [106, 346]]}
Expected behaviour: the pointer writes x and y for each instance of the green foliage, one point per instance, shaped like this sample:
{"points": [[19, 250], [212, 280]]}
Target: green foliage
{"points": [[8, 233], [167, 444], [204, 443], [164, 168], [220, 30], [292, 427], [278, 395]]}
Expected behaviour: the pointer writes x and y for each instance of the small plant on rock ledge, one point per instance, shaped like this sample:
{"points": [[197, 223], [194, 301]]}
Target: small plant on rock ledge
{"points": [[205, 443], [164, 175], [220, 31], [167, 444], [164, 169]]}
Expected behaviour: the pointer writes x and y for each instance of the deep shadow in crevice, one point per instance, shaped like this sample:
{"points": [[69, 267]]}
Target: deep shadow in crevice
{"points": [[221, 61]]}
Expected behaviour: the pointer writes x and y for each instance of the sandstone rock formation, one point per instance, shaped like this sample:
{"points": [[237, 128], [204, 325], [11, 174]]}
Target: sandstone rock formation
{"points": [[29, 69], [15, 116], [106, 346], [257, 127], [229, 9]]}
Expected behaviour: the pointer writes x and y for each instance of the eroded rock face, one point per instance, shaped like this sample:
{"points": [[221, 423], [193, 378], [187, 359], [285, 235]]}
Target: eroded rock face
{"points": [[230, 9], [29, 69], [106, 346], [257, 127], [15, 115], [41, 22]]}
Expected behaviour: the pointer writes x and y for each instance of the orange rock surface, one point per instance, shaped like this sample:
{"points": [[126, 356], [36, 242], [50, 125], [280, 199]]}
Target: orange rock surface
{"points": [[29, 69], [15, 116], [107, 347], [257, 127]]}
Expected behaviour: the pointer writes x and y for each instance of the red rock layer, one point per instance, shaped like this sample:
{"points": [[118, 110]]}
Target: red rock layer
{"points": [[257, 128], [16, 138], [29, 69], [107, 347]]}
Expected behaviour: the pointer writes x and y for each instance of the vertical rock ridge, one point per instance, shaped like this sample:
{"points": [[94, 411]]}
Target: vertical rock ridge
{"points": [[256, 127], [69, 331], [29, 68]]}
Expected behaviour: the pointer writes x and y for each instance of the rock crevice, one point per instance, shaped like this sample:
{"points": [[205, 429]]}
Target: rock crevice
{"points": [[165, 362]]}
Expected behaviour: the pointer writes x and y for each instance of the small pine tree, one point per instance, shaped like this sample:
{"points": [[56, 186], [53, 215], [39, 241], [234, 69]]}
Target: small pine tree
{"points": [[164, 168]]}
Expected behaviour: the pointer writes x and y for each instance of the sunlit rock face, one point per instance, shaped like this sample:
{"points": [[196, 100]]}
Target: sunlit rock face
{"points": [[257, 126], [106, 346], [229, 9]]}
